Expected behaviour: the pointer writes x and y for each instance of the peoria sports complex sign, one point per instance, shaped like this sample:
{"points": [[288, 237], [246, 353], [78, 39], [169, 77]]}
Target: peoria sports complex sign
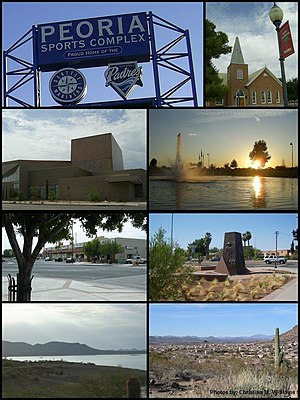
{"points": [[92, 42]]}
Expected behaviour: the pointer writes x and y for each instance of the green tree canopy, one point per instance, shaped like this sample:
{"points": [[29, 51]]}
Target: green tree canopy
{"points": [[260, 153], [111, 249], [246, 237], [207, 240], [7, 253], [292, 89], [200, 247], [92, 249], [215, 46]]}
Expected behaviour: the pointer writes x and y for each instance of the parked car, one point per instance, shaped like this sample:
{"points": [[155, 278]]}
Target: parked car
{"points": [[70, 260], [215, 259], [135, 260], [273, 258], [59, 259], [47, 259]]}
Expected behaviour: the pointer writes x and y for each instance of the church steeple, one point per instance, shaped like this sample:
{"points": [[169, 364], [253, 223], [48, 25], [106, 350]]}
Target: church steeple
{"points": [[237, 55]]}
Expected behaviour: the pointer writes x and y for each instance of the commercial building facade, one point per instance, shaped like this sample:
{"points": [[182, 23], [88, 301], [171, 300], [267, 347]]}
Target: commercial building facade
{"points": [[96, 169], [131, 247]]}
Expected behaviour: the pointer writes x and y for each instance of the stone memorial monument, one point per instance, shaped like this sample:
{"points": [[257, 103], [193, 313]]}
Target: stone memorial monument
{"points": [[232, 262]]}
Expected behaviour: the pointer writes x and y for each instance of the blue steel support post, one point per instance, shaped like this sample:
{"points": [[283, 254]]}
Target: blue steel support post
{"points": [[154, 61], [190, 58], [5, 100], [36, 73]]}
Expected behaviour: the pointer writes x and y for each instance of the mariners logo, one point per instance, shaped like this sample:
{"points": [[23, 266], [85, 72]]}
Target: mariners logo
{"points": [[122, 77]]}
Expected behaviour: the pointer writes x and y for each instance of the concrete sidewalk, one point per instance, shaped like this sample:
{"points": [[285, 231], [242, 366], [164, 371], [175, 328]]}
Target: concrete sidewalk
{"points": [[70, 290], [73, 205], [288, 292]]}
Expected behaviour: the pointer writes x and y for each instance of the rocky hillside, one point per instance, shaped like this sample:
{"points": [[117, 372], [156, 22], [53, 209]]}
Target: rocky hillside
{"points": [[290, 336]]}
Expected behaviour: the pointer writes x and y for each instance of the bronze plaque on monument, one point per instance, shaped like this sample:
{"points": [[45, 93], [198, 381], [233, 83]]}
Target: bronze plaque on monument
{"points": [[232, 262]]}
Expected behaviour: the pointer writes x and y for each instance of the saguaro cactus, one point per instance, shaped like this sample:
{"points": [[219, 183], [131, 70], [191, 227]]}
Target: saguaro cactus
{"points": [[278, 352]]}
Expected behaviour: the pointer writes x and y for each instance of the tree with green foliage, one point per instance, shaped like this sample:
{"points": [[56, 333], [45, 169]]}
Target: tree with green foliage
{"points": [[200, 248], [246, 237], [207, 240], [110, 249], [167, 273], [215, 250], [50, 228], [7, 253], [260, 153], [216, 44], [92, 249], [292, 89]]}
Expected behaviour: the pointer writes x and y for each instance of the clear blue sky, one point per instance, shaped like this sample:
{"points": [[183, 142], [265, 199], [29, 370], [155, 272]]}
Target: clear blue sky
{"points": [[188, 227], [224, 134], [221, 319], [18, 17]]}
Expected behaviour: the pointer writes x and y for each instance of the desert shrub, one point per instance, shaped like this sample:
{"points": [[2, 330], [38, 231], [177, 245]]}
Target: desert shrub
{"points": [[168, 276], [94, 195], [52, 195]]}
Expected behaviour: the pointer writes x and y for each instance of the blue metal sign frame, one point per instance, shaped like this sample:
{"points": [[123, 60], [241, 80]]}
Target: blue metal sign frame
{"points": [[163, 57]]}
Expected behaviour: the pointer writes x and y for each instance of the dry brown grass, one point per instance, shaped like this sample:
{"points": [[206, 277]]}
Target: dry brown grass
{"points": [[250, 289]]}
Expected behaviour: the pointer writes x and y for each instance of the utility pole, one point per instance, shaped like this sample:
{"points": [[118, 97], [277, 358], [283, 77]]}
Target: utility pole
{"points": [[276, 236], [72, 241], [172, 234]]}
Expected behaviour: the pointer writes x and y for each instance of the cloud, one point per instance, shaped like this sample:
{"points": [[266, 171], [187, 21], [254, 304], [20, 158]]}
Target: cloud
{"points": [[46, 134], [106, 326], [208, 116], [251, 23]]}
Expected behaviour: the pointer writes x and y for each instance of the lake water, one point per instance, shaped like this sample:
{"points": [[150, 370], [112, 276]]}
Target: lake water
{"points": [[136, 361], [224, 193]]}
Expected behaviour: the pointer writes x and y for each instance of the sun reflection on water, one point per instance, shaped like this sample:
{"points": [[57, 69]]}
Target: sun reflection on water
{"points": [[257, 185]]}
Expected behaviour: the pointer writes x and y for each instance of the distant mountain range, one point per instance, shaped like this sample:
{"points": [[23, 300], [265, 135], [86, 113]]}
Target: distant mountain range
{"points": [[208, 339], [56, 349], [291, 335]]}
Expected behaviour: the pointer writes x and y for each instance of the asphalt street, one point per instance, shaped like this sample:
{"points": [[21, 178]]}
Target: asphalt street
{"points": [[90, 281], [259, 264]]}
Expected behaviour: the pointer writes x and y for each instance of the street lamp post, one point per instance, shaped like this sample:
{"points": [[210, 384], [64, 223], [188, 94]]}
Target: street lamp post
{"points": [[291, 144], [276, 16], [207, 160], [276, 237]]}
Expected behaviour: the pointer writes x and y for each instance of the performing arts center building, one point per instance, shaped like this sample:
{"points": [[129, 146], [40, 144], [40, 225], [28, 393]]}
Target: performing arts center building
{"points": [[96, 169]]}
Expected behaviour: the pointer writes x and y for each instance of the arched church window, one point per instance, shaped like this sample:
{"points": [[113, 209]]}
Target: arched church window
{"points": [[263, 97], [240, 93], [239, 73], [269, 96], [253, 96], [277, 96]]}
